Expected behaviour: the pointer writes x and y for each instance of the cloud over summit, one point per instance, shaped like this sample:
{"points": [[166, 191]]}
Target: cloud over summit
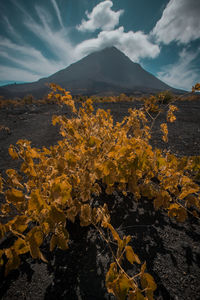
{"points": [[101, 17], [134, 44]]}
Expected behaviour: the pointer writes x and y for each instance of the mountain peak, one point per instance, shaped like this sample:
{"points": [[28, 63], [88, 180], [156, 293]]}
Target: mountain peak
{"points": [[108, 52], [111, 49]]}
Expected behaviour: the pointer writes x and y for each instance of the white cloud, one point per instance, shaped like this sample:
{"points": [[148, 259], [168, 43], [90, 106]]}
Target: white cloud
{"points": [[10, 30], [20, 8], [55, 5], [56, 41], [180, 22], [32, 58], [31, 61], [135, 45], [101, 17], [16, 74], [182, 74]]}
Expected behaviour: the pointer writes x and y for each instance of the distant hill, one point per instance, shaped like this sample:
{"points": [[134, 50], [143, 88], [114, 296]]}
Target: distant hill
{"points": [[104, 72]]}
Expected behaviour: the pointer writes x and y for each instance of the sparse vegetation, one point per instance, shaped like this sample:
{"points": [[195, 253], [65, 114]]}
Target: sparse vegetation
{"points": [[56, 185]]}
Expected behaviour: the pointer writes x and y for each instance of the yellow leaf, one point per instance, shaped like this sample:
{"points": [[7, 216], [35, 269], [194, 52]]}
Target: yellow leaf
{"points": [[19, 224], [34, 238], [136, 295], [174, 206], [162, 200], [56, 216], [131, 256], [85, 195], [164, 129], [60, 239], [175, 210], [32, 172], [55, 120], [114, 232], [109, 190], [14, 196], [170, 116], [94, 142], [121, 287], [106, 170], [195, 214], [34, 249], [33, 153], [187, 191], [13, 260], [16, 182], [147, 191], [23, 142], [21, 246], [1, 259], [127, 239], [111, 274], [143, 268], [63, 239], [5, 208], [96, 189], [185, 179], [3, 230], [161, 161], [1, 184], [85, 215], [72, 213], [38, 235], [45, 227], [12, 152], [191, 201], [182, 215], [196, 87], [147, 281], [53, 242], [11, 172], [61, 190], [35, 202]]}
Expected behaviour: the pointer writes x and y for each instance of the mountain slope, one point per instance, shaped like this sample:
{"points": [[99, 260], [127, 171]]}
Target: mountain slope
{"points": [[108, 70]]}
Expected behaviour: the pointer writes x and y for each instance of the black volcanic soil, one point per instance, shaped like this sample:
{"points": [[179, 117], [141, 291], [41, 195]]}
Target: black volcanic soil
{"points": [[172, 250]]}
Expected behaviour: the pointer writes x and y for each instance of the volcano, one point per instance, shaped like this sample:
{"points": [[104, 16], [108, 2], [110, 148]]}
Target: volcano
{"points": [[105, 72]]}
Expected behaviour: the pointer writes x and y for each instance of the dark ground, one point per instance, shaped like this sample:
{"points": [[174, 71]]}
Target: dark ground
{"points": [[172, 250]]}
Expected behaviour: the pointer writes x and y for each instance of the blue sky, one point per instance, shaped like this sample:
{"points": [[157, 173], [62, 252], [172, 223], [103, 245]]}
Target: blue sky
{"points": [[38, 38]]}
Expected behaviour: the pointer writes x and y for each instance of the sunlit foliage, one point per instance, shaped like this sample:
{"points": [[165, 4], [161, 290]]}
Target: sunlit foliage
{"points": [[55, 186]]}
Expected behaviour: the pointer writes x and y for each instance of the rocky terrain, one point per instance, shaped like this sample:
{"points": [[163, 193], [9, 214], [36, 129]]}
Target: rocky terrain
{"points": [[171, 250]]}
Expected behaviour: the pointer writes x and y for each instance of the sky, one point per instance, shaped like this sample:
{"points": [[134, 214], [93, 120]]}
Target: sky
{"points": [[41, 37]]}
